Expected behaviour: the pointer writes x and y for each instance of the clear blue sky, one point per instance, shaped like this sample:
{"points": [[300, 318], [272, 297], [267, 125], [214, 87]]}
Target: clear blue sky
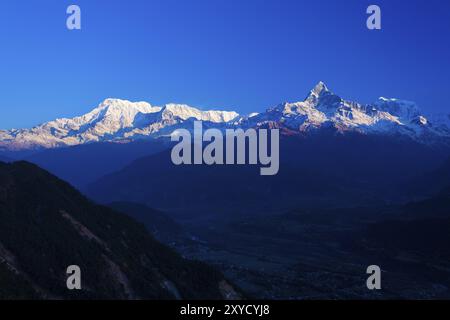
{"points": [[245, 55]]}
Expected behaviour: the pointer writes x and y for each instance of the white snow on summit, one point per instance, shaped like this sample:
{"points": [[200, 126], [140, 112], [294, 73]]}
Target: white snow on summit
{"points": [[112, 120], [122, 120], [324, 109]]}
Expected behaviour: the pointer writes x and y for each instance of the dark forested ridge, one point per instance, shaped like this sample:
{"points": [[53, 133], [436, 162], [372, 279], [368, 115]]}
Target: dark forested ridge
{"points": [[47, 225]]}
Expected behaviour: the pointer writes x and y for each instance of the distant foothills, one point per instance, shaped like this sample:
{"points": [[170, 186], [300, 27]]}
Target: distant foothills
{"points": [[122, 121]]}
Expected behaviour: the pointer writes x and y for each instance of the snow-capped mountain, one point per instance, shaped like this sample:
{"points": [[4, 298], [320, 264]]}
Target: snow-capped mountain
{"points": [[112, 120], [122, 121], [324, 109]]}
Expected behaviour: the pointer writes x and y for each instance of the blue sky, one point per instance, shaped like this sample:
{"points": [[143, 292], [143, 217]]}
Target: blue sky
{"points": [[244, 55]]}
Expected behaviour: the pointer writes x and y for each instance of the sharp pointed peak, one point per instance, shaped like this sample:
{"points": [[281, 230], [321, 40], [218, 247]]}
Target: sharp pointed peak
{"points": [[319, 88]]}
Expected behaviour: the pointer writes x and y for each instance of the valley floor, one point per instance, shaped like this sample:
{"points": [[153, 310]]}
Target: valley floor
{"points": [[313, 261]]}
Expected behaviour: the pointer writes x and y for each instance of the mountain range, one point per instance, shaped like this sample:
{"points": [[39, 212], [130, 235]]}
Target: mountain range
{"points": [[113, 120], [122, 121], [350, 192], [323, 109]]}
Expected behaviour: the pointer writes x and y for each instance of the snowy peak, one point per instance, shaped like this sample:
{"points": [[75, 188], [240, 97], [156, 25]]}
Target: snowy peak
{"points": [[324, 109], [116, 112], [123, 120], [321, 96], [123, 107], [400, 108], [111, 120], [319, 91], [185, 112]]}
